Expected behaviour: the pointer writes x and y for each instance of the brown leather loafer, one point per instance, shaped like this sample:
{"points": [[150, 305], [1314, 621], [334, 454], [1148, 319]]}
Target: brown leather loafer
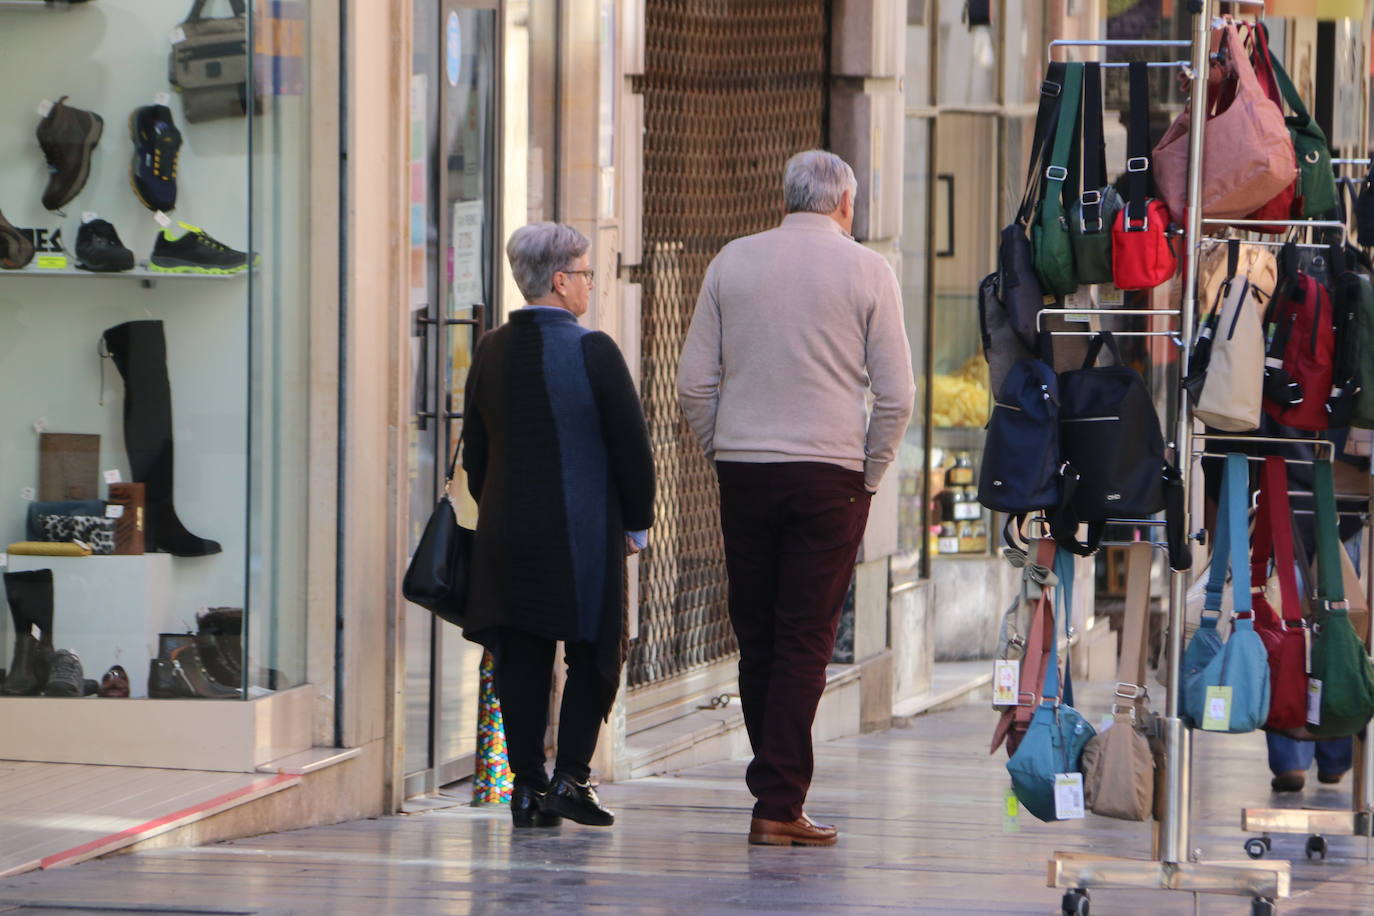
{"points": [[801, 832]]}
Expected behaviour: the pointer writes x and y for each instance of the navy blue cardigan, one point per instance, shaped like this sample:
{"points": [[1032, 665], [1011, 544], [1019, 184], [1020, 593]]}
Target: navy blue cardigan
{"points": [[557, 456]]}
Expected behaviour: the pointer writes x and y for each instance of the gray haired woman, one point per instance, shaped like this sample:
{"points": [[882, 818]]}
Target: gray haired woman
{"points": [[557, 456]]}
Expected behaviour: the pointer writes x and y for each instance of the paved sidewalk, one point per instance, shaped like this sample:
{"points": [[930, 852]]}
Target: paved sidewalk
{"points": [[919, 809]]}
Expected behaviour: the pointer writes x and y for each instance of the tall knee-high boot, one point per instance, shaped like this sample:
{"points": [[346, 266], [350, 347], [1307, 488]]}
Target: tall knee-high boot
{"points": [[139, 350], [30, 598]]}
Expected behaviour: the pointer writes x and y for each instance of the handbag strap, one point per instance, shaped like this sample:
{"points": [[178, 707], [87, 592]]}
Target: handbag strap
{"points": [[1061, 175], [1050, 91], [1330, 584], [453, 461], [1228, 551], [1063, 609], [1130, 666], [198, 9], [1095, 349], [1138, 149], [1094, 151], [1273, 539], [1290, 93]]}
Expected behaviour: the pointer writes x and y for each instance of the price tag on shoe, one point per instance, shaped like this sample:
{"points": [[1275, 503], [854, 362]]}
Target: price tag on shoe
{"points": [[51, 261], [1006, 682], [44, 107], [88, 216], [1068, 796], [1216, 712], [163, 219], [1314, 701], [162, 98], [113, 476], [114, 510], [28, 494]]}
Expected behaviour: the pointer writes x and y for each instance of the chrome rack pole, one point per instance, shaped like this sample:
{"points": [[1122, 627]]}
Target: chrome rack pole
{"points": [[1173, 827]]}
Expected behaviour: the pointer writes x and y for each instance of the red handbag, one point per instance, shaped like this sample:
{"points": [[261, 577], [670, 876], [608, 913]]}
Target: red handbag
{"points": [[1285, 204], [1141, 255], [1286, 639]]}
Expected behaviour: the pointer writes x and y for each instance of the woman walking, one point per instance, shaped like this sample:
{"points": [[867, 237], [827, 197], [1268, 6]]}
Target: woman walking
{"points": [[557, 456]]}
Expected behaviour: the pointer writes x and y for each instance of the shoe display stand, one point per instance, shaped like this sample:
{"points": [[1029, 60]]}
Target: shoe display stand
{"points": [[1176, 865], [109, 610], [148, 277]]}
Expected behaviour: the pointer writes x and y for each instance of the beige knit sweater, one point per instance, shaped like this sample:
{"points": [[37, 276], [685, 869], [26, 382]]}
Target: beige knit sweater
{"points": [[793, 331]]}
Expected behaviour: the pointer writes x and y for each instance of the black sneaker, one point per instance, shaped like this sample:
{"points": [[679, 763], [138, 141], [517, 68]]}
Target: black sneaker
{"points": [[153, 170], [195, 253], [99, 249], [67, 136], [65, 677], [15, 248]]}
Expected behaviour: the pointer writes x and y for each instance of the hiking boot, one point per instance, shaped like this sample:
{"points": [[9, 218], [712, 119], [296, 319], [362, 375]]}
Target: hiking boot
{"points": [[15, 248], [99, 249], [65, 677], [67, 136], [195, 253], [153, 170]]}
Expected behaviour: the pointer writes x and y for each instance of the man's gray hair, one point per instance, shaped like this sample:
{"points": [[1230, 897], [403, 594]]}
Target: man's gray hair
{"points": [[540, 250], [815, 181]]}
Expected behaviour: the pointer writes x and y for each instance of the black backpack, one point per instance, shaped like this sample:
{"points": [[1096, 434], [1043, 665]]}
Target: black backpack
{"points": [[1113, 455], [1020, 472]]}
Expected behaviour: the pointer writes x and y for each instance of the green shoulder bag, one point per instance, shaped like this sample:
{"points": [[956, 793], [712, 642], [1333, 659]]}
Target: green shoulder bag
{"points": [[1316, 179], [1051, 246]]}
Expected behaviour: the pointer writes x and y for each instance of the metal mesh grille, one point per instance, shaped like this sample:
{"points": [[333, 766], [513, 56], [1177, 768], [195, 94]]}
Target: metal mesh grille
{"points": [[731, 88]]}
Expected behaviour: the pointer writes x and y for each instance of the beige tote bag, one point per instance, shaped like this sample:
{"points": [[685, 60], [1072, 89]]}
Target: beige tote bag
{"points": [[1233, 388], [1248, 154], [1118, 764]]}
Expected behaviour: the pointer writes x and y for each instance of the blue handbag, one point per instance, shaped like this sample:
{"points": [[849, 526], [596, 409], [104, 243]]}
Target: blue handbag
{"points": [[1241, 663], [1054, 741]]}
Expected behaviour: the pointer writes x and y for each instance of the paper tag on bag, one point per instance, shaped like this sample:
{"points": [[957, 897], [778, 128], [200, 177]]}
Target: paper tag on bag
{"points": [[178, 35], [44, 107], [1216, 714], [1107, 722], [29, 494], [112, 476], [1011, 812], [1314, 701], [1006, 682], [114, 511], [1068, 796], [1109, 297]]}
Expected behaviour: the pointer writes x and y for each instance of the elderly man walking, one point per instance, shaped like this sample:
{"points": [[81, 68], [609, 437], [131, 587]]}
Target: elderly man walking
{"points": [[795, 329]]}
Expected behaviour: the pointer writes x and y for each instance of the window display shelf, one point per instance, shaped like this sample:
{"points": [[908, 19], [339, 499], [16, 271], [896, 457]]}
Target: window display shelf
{"points": [[138, 273], [6, 5]]}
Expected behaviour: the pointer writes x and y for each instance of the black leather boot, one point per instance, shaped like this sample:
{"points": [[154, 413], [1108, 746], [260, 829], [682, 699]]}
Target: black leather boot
{"points": [[139, 351], [27, 671], [183, 676], [576, 801], [526, 809]]}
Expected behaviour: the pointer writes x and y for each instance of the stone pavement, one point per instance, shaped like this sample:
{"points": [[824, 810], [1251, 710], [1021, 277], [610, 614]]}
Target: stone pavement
{"points": [[922, 831]]}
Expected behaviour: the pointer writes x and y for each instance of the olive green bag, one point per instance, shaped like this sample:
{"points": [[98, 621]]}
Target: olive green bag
{"points": [[1316, 179], [1051, 246], [1091, 219], [1341, 678]]}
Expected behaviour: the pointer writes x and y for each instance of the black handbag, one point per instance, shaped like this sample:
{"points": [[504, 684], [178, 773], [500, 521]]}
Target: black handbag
{"points": [[437, 578]]}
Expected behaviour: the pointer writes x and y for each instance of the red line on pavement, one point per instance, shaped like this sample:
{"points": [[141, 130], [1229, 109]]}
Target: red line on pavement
{"points": [[76, 851]]}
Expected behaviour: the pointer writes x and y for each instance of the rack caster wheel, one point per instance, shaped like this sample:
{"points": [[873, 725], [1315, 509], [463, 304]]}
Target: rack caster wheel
{"points": [[1316, 846], [1263, 906], [1075, 903], [1257, 846]]}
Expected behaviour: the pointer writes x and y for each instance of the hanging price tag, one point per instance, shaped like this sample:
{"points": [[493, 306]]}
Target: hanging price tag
{"points": [[1109, 297], [178, 35], [1314, 701], [44, 107], [1006, 682], [1011, 812], [113, 476], [1216, 716], [1068, 796]]}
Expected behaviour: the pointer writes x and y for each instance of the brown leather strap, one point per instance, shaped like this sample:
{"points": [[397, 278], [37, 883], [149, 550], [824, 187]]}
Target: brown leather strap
{"points": [[1135, 627], [1037, 657]]}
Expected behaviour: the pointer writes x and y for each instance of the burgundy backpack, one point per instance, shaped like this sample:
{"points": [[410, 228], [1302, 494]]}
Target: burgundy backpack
{"points": [[1302, 346]]}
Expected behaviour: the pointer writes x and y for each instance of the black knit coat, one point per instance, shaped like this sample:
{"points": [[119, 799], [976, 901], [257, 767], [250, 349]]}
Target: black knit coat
{"points": [[557, 456]]}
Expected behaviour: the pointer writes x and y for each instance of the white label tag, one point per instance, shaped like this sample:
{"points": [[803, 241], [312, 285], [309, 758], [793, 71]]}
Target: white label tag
{"points": [[1107, 722], [35, 632], [40, 425], [1006, 682], [162, 98], [44, 107], [1068, 796], [178, 35], [1011, 811], [112, 476], [28, 494], [114, 511], [4, 560], [1109, 297], [163, 219], [1314, 701], [1216, 715], [88, 216]]}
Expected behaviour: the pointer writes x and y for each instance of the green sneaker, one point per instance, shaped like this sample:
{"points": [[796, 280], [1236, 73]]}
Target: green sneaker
{"points": [[195, 252]]}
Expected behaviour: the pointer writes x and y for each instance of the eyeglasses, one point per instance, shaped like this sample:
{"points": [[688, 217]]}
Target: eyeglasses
{"points": [[589, 275]]}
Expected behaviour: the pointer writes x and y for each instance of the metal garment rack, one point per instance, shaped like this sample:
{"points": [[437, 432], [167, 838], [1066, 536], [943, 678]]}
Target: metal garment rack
{"points": [[1175, 865]]}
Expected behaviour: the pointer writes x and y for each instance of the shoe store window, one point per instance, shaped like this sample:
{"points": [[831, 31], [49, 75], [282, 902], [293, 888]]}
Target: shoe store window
{"points": [[153, 348]]}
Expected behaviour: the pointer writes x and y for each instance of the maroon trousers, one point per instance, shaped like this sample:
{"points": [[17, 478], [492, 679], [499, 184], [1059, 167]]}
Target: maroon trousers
{"points": [[792, 532]]}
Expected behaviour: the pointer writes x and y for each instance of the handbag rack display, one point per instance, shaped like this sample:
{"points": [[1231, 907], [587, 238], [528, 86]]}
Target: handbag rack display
{"points": [[1175, 865], [1318, 824]]}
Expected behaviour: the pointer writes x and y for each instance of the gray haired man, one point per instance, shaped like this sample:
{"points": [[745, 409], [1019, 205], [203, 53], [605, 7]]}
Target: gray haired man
{"points": [[795, 330]]}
